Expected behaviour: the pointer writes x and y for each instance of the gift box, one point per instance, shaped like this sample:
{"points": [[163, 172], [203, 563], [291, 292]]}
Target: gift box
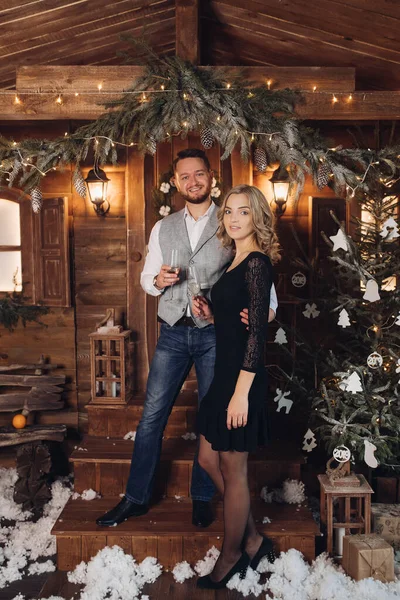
{"points": [[386, 520], [368, 555]]}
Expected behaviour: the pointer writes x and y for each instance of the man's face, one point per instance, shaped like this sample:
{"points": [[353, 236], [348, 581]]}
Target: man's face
{"points": [[193, 180]]}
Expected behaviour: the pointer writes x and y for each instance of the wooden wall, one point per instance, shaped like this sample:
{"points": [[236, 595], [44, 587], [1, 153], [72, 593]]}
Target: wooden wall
{"points": [[107, 256]]}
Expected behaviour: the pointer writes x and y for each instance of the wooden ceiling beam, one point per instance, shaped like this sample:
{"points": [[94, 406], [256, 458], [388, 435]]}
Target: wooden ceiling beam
{"points": [[46, 78], [187, 30]]}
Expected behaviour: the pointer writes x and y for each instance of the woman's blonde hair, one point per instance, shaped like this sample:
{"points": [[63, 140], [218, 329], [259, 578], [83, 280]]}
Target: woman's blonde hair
{"points": [[263, 221]]}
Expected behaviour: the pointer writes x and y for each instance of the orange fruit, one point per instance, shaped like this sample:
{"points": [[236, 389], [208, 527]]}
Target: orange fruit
{"points": [[19, 421]]}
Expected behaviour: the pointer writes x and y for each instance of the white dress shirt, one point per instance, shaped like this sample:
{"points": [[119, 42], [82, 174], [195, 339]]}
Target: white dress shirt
{"points": [[154, 258]]}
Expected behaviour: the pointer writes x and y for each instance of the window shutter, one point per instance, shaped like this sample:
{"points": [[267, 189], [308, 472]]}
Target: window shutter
{"points": [[51, 253]]}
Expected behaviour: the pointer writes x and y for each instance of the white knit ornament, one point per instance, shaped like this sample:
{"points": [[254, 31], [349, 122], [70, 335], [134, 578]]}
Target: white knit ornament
{"points": [[36, 199]]}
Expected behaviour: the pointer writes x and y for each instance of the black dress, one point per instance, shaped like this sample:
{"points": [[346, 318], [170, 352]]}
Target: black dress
{"points": [[247, 285]]}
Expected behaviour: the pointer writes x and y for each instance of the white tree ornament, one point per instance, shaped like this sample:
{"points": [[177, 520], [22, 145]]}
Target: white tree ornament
{"points": [[390, 230], [344, 320], [352, 383], [283, 400], [309, 442], [397, 322], [339, 241], [280, 337], [299, 280], [371, 291], [374, 360], [369, 456], [311, 311]]}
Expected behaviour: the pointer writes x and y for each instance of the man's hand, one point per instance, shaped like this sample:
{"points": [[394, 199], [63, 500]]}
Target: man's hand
{"points": [[201, 308], [245, 316], [237, 411], [166, 277]]}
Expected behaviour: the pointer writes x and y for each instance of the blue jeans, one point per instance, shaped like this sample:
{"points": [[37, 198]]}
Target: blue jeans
{"points": [[177, 349]]}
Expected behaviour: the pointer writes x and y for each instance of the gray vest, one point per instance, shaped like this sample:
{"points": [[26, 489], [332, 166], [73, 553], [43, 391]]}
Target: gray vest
{"points": [[209, 258]]}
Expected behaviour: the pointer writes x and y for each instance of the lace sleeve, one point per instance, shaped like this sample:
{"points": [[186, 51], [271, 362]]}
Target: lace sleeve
{"points": [[258, 281]]}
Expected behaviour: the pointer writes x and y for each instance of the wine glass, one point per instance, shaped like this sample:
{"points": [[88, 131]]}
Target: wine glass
{"points": [[193, 281], [174, 266]]}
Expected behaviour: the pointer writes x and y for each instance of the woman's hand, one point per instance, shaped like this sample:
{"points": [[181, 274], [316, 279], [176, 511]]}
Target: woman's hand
{"points": [[201, 309], [238, 409]]}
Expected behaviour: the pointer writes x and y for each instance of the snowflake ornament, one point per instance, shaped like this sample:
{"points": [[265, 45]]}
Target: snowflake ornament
{"points": [[311, 311], [344, 320], [165, 187], [164, 210], [339, 241], [390, 230]]}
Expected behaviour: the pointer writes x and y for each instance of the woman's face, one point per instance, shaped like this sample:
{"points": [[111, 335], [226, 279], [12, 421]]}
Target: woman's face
{"points": [[238, 220]]}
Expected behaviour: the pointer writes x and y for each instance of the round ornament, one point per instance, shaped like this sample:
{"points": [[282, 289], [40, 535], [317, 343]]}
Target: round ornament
{"points": [[299, 280], [341, 454], [374, 360], [19, 421]]}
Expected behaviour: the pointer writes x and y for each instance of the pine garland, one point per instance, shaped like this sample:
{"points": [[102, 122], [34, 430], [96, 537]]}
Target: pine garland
{"points": [[175, 98], [14, 307]]}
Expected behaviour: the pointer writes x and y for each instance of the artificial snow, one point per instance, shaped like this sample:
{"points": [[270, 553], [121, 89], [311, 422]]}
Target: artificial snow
{"points": [[292, 492], [182, 571], [189, 436], [249, 585], [131, 435], [114, 575], [206, 565], [25, 542]]}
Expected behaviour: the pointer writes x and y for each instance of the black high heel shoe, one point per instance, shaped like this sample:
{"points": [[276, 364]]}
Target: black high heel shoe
{"points": [[207, 583], [265, 550]]}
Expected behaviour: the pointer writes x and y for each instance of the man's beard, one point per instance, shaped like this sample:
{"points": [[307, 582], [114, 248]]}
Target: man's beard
{"points": [[198, 200]]}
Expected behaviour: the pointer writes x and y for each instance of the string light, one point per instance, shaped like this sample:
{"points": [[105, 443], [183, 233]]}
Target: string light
{"points": [[228, 86], [76, 93], [269, 82], [17, 100], [350, 98], [59, 99], [314, 88], [100, 87], [334, 99], [162, 87]]}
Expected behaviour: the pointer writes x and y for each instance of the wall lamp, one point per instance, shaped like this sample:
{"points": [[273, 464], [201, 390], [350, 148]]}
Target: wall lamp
{"points": [[97, 182], [281, 192]]}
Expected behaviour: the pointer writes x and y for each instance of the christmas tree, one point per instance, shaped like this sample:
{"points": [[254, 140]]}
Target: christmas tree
{"points": [[357, 402]]}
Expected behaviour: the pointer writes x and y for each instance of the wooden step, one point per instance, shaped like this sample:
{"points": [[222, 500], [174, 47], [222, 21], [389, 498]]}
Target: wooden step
{"points": [[57, 585], [103, 465], [167, 533], [114, 420]]}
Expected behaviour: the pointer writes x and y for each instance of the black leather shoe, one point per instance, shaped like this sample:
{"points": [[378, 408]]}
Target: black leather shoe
{"points": [[206, 583], [202, 515], [266, 550], [122, 512]]}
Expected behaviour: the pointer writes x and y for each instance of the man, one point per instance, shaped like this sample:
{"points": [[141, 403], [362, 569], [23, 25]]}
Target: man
{"points": [[184, 339]]}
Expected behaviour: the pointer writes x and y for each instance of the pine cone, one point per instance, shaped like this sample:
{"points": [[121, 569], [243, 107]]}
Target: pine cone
{"points": [[323, 175], [260, 160], [15, 170], [152, 145], [79, 183], [206, 138], [36, 199]]}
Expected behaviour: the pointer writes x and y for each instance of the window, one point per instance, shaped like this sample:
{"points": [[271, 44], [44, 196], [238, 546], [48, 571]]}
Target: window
{"points": [[10, 246], [34, 248]]}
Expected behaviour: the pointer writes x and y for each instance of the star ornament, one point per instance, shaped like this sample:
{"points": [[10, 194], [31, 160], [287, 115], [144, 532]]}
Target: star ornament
{"points": [[311, 311], [339, 241]]}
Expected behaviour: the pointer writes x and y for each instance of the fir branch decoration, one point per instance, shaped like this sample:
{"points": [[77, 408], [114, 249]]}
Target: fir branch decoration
{"points": [[14, 308], [174, 98]]}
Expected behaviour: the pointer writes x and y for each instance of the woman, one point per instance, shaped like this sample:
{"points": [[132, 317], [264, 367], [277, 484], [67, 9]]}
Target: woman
{"points": [[232, 416]]}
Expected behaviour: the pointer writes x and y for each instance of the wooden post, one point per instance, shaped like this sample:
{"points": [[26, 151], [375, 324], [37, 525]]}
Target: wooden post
{"points": [[136, 298], [187, 44]]}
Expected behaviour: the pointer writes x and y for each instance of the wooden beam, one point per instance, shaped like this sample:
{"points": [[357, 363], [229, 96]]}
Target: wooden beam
{"points": [[187, 42], [72, 79]]}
